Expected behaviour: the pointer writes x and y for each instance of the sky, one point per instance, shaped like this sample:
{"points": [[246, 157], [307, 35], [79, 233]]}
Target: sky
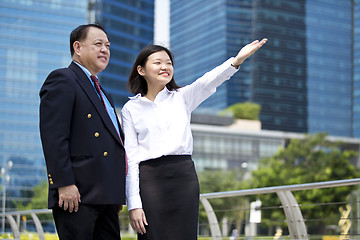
{"points": [[162, 23]]}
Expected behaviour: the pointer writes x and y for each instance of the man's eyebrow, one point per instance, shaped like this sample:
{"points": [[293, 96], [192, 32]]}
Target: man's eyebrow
{"points": [[99, 39]]}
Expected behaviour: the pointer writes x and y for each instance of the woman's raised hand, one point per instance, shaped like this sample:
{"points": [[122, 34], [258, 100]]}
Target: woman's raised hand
{"points": [[247, 51]]}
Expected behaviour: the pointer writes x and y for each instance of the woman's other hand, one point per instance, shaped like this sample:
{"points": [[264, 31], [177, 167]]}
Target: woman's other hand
{"points": [[138, 220]]}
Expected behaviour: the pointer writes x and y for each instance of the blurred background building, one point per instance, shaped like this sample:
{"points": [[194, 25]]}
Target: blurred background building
{"points": [[302, 78], [35, 41], [35, 37], [130, 27], [306, 78]]}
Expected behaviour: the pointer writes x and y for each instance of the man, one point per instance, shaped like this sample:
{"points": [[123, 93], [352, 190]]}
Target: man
{"points": [[82, 142]]}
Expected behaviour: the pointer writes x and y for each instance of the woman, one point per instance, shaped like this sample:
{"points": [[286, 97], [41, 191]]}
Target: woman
{"points": [[162, 185]]}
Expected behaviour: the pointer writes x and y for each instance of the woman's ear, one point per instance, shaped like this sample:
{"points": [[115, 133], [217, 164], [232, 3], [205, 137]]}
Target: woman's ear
{"points": [[140, 70]]}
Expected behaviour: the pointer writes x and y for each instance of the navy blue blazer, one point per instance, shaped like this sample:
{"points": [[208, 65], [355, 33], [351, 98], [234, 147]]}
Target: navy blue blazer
{"points": [[80, 143]]}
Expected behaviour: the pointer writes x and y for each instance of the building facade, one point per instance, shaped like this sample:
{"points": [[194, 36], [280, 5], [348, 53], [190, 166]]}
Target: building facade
{"points": [[329, 66], [279, 69], [35, 36], [292, 77], [356, 70], [227, 147], [35, 41], [203, 39], [130, 27]]}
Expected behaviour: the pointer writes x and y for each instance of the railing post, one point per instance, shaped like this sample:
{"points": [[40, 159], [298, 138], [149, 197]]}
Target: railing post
{"points": [[296, 224], [38, 226], [214, 224], [14, 226]]}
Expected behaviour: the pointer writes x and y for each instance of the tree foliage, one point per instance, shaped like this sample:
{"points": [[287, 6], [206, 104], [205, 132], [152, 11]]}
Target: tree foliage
{"points": [[313, 159], [246, 110], [220, 181], [38, 199]]}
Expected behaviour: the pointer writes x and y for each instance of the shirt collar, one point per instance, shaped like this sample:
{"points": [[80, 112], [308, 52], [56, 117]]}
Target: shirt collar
{"points": [[86, 71], [160, 95]]}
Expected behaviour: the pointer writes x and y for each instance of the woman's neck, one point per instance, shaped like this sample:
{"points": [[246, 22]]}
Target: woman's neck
{"points": [[153, 92]]}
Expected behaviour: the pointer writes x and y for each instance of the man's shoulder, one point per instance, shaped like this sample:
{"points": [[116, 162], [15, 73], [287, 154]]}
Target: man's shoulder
{"points": [[71, 69], [59, 78]]}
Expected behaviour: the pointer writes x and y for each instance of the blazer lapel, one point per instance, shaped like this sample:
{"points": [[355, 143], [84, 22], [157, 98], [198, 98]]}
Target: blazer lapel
{"points": [[88, 88]]}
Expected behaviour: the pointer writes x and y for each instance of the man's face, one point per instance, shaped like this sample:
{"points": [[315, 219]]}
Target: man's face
{"points": [[94, 51]]}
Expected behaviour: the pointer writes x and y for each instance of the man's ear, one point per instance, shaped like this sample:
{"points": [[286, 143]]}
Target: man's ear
{"points": [[77, 46]]}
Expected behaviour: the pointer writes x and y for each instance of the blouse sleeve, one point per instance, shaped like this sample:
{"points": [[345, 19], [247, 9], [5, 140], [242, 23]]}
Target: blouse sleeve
{"points": [[205, 86], [131, 147]]}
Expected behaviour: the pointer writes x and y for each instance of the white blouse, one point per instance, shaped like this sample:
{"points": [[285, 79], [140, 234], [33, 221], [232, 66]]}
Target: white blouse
{"points": [[162, 127]]}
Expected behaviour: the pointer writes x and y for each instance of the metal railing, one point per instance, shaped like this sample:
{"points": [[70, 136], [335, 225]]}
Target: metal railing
{"points": [[15, 224], [296, 223]]}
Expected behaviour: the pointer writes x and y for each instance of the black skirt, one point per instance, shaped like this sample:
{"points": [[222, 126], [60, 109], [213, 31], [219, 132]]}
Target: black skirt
{"points": [[169, 191]]}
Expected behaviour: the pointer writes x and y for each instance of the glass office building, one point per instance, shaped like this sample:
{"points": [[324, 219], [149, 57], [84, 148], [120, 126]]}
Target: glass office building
{"points": [[229, 147], [202, 39], [279, 69], [356, 70], [329, 66], [130, 27], [35, 37], [35, 41], [301, 78], [220, 147]]}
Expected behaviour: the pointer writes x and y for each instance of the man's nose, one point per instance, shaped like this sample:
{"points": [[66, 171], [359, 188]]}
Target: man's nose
{"points": [[104, 48]]}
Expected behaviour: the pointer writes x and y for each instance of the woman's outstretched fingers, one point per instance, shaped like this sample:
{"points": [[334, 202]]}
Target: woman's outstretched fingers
{"points": [[248, 50]]}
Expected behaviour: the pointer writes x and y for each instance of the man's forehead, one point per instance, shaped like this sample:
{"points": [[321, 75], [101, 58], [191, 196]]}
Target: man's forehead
{"points": [[96, 33]]}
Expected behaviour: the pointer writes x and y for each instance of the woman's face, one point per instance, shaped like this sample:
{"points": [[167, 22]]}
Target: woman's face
{"points": [[158, 70]]}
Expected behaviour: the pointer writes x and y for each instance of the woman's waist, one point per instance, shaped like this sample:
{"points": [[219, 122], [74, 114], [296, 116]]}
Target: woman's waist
{"points": [[168, 159]]}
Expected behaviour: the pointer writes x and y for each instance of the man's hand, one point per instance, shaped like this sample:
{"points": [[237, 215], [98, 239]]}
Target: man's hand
{"points": [[69, 198]]}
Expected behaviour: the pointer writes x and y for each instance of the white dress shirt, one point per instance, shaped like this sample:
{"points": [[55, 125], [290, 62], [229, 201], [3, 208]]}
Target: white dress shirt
{"points": [[162, 127]]}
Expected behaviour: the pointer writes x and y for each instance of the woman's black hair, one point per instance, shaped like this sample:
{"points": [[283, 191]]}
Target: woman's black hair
{"points": [[137, 83]]}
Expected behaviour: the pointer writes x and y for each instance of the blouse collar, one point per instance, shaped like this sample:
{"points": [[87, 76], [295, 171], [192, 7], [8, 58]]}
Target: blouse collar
{"points": [[163, 93]]}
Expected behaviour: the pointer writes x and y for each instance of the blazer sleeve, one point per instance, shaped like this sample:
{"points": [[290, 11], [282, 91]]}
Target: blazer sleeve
{"points": [[56, 106]]}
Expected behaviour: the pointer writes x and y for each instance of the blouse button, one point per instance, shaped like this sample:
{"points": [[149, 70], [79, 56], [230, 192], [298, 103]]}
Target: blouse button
{"points": [[89, 115], [96, 134], [105, 154]]}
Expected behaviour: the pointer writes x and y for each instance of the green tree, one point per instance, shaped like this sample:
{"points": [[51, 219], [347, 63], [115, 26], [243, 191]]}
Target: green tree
{"points": [[246, 110], [313, 159], [219, 181], [38, 198]]}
